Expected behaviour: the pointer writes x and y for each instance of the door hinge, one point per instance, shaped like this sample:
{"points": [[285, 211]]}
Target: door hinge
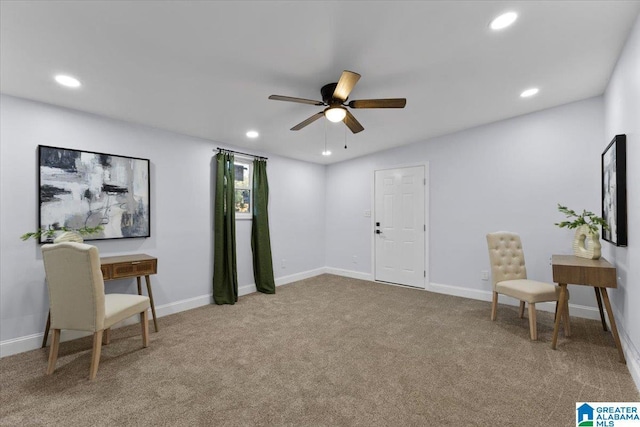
{"points": [[425, 273], [425, 227], [424, 181]]}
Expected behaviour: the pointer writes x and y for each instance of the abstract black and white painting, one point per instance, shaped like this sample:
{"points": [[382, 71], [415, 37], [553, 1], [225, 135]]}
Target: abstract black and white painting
{"points": [[85, 189], [614, 191]]}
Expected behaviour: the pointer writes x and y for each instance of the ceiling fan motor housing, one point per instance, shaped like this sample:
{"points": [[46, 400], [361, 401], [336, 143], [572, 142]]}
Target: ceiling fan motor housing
{"points": [[334, 96], [327, 94]]}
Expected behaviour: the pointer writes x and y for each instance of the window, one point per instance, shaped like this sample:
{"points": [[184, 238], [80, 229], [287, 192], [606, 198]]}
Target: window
{"points": [[243, 180]]}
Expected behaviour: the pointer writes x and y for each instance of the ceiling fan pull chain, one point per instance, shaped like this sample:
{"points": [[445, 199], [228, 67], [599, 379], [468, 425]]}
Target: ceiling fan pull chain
{"points": [[345, 138], [325, 136]]}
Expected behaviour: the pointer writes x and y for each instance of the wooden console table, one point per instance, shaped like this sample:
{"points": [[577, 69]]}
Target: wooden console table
{"points": [[599, 273], [123, 267]]}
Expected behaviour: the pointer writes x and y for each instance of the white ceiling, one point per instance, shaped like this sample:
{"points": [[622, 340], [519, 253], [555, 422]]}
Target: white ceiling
{"points": [[206, 68]]}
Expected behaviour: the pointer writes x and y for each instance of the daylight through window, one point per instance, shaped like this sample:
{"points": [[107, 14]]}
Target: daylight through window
{"points": [[243, 176]]}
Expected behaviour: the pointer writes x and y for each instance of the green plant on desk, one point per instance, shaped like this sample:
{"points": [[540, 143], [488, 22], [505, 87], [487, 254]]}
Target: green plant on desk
{"points": [[50, 232], [589, 219]]}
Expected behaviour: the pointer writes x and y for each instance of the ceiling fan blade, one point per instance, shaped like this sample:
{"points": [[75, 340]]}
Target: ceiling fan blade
{"points": [[379, 103], [345, 85], [352, 123], [292, 99], [308, 121]]}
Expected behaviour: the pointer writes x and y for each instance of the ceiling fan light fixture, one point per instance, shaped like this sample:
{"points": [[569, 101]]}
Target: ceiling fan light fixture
{"points": [[335, 114], [326, 153]]}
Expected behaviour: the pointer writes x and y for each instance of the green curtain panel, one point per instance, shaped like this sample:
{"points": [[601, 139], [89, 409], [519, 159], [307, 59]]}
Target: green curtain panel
{"points": [[260, 239], [225, 276]]}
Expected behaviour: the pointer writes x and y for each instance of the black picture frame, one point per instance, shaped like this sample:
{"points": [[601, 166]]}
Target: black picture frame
{"points": [[614, 191], [78, 188]]}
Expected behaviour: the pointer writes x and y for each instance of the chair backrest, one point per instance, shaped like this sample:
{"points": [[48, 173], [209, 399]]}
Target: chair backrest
{"points": [[506, 256], [76, 286]]}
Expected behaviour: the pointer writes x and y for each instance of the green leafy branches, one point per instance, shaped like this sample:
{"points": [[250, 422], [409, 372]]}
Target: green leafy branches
{"points": [[51, 232], [587, 218]]}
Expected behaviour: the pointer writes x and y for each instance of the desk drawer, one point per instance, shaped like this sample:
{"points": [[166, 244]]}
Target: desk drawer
{"points": [[132, 269]]}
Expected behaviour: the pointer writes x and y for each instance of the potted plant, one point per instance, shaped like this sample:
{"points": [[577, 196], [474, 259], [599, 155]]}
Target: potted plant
{"points": [[62, 234], [586, 243]]}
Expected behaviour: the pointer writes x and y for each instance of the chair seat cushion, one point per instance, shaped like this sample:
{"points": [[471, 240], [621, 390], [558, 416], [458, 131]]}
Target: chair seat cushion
{"points": [[118, 307], [530, 291]]}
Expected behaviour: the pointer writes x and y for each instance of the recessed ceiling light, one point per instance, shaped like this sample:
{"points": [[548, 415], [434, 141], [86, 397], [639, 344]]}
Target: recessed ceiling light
{"points": [[503, 21], [326, 153], [529, 92], [67, 81], [252, 134]]}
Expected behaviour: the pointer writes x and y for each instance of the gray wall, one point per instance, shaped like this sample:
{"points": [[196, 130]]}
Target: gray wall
{"points": [[622, 112], [507, 175], [181, 213]]}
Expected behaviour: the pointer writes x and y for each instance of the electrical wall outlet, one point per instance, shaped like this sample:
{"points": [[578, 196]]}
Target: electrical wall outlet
{"points": [[484, 275], [367, 213], [284, 263], [354, 259]]}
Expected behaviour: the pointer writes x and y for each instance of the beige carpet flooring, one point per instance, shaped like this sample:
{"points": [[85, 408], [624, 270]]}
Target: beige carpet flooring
{"points": [[326, 351]]}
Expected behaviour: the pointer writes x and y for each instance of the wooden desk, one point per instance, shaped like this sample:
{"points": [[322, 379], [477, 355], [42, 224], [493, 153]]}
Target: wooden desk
{"points": [[599, 273], [123, 267]]}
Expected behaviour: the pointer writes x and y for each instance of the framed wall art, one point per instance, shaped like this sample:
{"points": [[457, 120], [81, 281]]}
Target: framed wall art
{"points": [[85, 189], [614, 191]]}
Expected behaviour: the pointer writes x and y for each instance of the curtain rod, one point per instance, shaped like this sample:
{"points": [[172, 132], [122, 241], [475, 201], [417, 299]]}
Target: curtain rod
{"points": [[240, 152]]}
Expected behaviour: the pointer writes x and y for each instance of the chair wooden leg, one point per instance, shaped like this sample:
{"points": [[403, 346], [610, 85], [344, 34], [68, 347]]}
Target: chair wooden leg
{"points": [[532, 322], [95, 355], [567, 326], [144, 320], [494, 306], [53, 352], [521, 309], [106, 337], [48, 325]]}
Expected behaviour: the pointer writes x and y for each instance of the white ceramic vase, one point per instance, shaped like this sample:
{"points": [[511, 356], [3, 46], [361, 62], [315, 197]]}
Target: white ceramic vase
{"points": [[586, 243]]}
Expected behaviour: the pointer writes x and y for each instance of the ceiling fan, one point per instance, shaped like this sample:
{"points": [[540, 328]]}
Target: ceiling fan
{"points": [[334, 97]]}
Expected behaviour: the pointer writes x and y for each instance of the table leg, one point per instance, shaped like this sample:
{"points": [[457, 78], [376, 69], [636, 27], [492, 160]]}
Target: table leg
{"points": [[561, 308], [612, 322], [139, 286], [599, 299], [153, 307], [46, 330]]}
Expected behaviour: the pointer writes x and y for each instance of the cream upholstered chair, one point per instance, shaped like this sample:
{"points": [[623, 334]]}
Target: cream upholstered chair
{"points": [[509, 276], [78, 302]]}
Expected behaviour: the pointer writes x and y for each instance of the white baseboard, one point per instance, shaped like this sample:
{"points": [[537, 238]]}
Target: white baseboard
{"points": [[284, 280], [349, 273], [299, 276], [574, 309], [31, 342], [631, 353], [34, 341], [20, 344]]}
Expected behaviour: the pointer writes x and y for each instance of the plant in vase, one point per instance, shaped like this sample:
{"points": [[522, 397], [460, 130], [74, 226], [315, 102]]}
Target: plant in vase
{"points": [[62, 234], [586, 243]]}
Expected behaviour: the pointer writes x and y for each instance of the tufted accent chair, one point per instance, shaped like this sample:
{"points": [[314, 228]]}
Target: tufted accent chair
{"points": [[509, 277], [78, 302]]}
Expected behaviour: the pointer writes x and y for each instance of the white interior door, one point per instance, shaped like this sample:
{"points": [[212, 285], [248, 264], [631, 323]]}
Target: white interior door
{"points": [[400, 226]]}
